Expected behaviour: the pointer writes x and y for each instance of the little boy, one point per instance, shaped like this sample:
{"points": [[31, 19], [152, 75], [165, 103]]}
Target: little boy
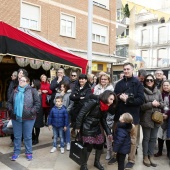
{"points": [[122, 140], [58, 120]]}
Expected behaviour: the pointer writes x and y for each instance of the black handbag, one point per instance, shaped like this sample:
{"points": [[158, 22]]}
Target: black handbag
{"points": [[78, 153]]}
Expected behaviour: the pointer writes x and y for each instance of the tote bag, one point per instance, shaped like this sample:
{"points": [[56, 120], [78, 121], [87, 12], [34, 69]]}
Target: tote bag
{"points": [[78, 153]]}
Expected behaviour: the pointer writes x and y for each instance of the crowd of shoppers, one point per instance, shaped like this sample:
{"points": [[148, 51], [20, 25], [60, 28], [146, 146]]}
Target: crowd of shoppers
{"points": [[82, 103]]}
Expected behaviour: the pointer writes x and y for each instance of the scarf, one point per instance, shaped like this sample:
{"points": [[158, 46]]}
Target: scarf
{"points": [[103, 106], [19, 103]]}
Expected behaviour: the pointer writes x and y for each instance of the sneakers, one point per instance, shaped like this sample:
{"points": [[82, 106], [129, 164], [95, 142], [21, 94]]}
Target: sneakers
{"points": [[53, 150], [129, 165], [112, 161], [108, 155], [62, 150], [68, 146], [14, 157], [29, 157]]}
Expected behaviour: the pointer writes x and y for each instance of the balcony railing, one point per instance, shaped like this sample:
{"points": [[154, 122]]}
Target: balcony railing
{"points": [[122, 41], [122, 52], [144, 17]]}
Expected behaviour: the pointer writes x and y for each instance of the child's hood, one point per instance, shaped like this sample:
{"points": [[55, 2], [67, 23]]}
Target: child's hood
{"points": [[127, 126]]}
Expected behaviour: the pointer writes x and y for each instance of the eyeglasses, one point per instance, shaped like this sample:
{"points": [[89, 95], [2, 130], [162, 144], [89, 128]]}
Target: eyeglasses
{"points": [[149, 80], [73, 75], [22, 81]]}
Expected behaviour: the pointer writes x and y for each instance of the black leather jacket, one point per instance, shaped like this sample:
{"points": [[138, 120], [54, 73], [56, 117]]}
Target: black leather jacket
{"points": [[89, 119]]}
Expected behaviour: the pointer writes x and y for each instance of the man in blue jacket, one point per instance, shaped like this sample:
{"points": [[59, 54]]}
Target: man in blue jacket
{"points": [[131, 96]]}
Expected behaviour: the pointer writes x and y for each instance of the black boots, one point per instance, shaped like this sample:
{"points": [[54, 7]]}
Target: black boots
{"points": [[84, 165], [97, 160]]}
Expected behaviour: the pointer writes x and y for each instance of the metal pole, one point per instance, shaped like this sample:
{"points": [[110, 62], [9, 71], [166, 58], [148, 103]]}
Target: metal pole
{"points": [[89, 42]]}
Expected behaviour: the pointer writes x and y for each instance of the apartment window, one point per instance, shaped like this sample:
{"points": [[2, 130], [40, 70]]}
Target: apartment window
{"points": [[125, 33], [30, 16], [162, 35], [145, 57], [99, 66], [67, 25], [162, 58], [100, 33], [145, 37], [119, 14], [102, 3]]}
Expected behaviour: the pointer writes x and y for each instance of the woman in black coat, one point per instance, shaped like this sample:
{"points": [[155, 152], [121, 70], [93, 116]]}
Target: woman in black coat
{"points": [[39, 118], [88, 123], [79, 96]]}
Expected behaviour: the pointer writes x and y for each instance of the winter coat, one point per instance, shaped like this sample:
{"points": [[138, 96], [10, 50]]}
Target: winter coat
{"points": [[78, 103], [58, 117], [148, 109], [45, 86], [13, 84], [122, 140], [39, 117], [129, 86], [165, 132], [31, 103], [89, 119], [73, 84], [55, 86], [66, 100], [98, 89]]}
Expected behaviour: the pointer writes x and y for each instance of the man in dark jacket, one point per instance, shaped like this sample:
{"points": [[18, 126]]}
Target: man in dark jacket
{"points": [[55, 84], [73, 80], [131, 96], [159, 78]]}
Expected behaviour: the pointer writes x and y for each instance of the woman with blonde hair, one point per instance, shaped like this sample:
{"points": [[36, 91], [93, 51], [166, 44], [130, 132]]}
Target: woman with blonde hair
{"points": [[104, 84], [45, 90]]}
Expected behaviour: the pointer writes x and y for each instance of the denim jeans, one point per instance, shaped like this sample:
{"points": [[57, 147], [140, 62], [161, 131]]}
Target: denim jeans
{"points": [[67, 135], [149, 140], [23, 128], [58, 132]]}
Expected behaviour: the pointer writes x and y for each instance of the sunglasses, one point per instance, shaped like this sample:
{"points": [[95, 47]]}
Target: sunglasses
{"points": [[149, 80], [73, 75]]}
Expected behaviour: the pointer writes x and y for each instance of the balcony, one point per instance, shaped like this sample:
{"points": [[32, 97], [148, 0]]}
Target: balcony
{"points": [[120, 28], [145, 17], [126, 21], [146, 44], [123, 52], [122, 41]]}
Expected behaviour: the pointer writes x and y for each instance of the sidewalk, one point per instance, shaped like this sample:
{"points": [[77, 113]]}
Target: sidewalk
{"points": [[44, 160]]}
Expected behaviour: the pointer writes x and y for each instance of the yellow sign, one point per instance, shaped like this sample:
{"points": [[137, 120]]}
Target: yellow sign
{"points": [[94, 66]]}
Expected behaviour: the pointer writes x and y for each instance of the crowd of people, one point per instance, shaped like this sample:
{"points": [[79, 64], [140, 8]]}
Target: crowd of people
{"points": [[95, 108]]}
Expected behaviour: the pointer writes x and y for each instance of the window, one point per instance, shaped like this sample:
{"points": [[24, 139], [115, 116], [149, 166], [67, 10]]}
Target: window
{"points": [[99, 66], [145, 37], [162, 35], [100, 33], [125, 33], [145, 57], [67, 25], [163, 60], [119, 14], [30, 16], [102, 3]]}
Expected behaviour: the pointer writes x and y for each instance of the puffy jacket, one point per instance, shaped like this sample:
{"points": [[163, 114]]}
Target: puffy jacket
{"points": [[129, 85], [45, 86], [31, 103], [89, 119], [147, 108], [122, 140], [58, 117]]}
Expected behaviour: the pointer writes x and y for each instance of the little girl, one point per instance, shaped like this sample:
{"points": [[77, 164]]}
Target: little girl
{"points": [[122, 140]]}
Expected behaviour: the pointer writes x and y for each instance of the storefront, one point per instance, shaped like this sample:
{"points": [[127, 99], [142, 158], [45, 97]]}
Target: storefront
{"points": [[19, 49]]}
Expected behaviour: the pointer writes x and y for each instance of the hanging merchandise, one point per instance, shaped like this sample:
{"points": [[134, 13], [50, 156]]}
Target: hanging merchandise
{"points": [[46, 65], [22, 62], [1, 57], [56, 66], [35, 64]]}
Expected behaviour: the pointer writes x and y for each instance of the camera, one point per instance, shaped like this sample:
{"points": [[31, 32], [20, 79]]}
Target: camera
{"points": [[130, 98]]}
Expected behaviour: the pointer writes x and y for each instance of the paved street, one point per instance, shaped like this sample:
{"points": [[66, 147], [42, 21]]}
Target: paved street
{"points": [[44, 160]]}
